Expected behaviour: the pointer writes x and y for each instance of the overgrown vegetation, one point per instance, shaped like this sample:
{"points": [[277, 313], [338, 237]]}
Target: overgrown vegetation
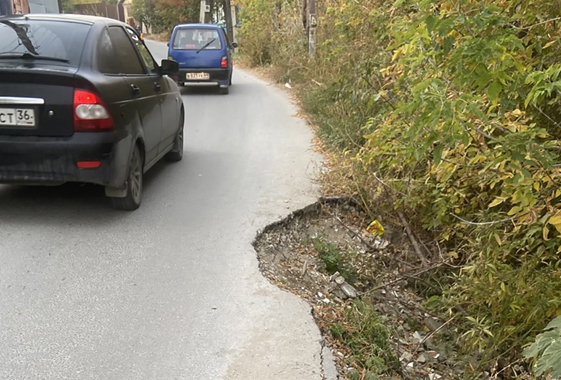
{"points": [[367, 337], [334, 260], [362, 330], [449, 111], [163, 15]]}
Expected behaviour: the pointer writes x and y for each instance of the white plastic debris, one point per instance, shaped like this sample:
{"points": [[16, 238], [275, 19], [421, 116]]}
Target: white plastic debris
{"points": [[417, 338]]}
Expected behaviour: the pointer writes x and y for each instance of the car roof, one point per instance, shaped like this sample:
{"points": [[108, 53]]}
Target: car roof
{"points": [[63, 17], [193, 25]]}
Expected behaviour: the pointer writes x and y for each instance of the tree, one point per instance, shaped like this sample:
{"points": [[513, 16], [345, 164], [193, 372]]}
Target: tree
{"points": [[173, 12], [143, 11], [66, 6]]}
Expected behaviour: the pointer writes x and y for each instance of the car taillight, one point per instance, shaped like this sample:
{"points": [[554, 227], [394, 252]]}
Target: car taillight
{"points": [[90, 113], [88, 164], [224, 62]]}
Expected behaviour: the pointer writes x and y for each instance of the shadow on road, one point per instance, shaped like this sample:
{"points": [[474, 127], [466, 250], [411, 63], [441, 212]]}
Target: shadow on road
{"points": [[72, 202], [205, 91]]}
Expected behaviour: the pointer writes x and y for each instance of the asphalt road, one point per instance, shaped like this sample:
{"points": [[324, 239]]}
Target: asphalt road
{"points": [[172, 290]]}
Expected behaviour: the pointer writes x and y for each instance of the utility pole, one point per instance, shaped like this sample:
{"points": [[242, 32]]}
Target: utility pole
{"points": [[209, 9], [312, 26], [202, 12], [228, 17], [205, 14]]}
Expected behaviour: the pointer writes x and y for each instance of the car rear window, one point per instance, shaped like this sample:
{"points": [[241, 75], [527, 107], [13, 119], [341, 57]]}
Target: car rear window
{"points": [[197, 38], [54, 39]]}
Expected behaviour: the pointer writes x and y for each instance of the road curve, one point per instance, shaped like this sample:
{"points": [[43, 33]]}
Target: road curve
{"points": [[172, 290]]}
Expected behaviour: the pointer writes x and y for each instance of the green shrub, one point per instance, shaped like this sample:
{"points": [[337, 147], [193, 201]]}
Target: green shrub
{"points": [[450, 109], [546, 349], [334, 260]]}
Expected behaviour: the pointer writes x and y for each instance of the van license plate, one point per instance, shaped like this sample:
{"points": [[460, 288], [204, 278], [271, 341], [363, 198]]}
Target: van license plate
{"points": [[17, 117], [197, 76]]}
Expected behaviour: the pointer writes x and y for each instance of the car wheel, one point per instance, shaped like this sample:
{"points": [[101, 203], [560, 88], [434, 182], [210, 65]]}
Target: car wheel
{"points": [[224, 90], [176, 153], [133, 196]]}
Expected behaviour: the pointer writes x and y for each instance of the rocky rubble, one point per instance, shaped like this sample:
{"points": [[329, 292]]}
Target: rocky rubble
{"points": [[423, 343]]}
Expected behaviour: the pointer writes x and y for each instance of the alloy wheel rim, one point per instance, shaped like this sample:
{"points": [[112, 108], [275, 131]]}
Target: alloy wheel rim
{"points": [[180, 142], [136, 177]]}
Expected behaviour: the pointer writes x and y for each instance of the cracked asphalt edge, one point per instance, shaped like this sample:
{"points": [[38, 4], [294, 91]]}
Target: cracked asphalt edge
{"points": [[327, 359], [328, 367]]}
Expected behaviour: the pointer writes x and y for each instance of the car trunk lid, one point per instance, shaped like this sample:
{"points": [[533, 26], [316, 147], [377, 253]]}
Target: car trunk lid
{"points": [[37, 101], [203, 59]]}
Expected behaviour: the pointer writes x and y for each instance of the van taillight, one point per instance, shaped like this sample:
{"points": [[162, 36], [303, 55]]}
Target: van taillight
{"points": [[224, 62], [90, 113]]}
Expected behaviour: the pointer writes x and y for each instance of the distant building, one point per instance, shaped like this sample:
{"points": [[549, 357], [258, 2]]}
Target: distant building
{"points": [[44, 6], [18, 7], [5, 7]]}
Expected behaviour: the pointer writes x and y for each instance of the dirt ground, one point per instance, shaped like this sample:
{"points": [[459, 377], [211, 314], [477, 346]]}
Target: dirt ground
{"points": [[383, 278]]}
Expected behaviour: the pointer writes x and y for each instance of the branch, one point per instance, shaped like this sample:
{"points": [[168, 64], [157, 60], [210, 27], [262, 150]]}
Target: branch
{"points": [[403, 277], [406, 225], [496, 375], [353, 232], [478, 223], [412, 238], [434, 332], [540, 23], [548, 117]]}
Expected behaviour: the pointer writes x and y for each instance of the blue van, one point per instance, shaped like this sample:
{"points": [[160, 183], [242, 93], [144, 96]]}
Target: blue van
{"points": [[204, 56]]}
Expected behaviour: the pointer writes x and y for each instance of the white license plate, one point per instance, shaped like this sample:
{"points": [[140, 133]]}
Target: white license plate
{"points": [[197, 76], [17, 117]]}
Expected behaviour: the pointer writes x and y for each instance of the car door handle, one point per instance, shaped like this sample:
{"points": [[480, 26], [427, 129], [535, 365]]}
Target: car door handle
{"points": [[135, 90], [158, 87]]}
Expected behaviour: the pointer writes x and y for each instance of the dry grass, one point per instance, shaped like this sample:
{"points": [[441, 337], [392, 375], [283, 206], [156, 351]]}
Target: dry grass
{"points": [[161, 37], [338, 176]]}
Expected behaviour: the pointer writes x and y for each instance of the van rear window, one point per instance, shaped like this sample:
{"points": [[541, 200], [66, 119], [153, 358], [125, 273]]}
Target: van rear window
{"points": [[53, 39], [197, 38]]}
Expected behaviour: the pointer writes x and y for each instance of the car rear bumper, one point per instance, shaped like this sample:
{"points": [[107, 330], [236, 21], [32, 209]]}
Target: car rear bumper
{"points": [[201, 84], [217, 77], [44, 160]]}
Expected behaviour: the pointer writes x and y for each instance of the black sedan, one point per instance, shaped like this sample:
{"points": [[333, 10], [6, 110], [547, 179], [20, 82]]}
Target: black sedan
{"points": [[82, 100]]}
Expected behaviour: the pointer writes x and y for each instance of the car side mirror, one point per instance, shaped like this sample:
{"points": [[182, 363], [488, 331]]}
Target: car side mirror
{"points": [[234, 45], [169, 67]]}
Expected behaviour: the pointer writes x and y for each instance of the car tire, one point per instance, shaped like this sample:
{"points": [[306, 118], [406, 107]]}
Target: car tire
{"points": [[224, 90], [134, 183], [176, 153]]}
